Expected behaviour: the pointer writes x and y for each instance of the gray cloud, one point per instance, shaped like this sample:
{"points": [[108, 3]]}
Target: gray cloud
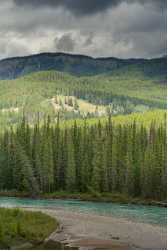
{"points": [[79, 7], [89, 39], [121, 28], [86, 7], [65, 43]]}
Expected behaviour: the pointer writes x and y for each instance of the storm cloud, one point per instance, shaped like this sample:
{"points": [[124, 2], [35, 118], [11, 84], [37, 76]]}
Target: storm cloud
{"points": [[120, 28], [76, 6], [86, 7], [65, 43]]}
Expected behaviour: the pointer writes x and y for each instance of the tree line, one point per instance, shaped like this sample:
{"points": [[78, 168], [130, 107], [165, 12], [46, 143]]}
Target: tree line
{"points": [[127, 159]]}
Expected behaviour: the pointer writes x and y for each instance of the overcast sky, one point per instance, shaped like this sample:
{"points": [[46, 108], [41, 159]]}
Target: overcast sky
{"points": [[119, 28]]}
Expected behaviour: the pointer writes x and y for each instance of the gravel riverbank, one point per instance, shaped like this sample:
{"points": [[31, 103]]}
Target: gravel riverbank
{"points": [[90, 231]]}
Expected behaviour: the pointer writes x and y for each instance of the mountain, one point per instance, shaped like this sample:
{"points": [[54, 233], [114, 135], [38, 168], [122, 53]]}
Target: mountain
{"points": [[80, 65], [78, 86]]}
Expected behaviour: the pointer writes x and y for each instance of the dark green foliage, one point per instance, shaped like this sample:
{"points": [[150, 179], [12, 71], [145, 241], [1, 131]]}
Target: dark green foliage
{"points": [[103, 157]]}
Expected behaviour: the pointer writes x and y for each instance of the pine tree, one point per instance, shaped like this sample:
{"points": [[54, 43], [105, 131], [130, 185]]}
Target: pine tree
{"points": [[28, 181], [71, 170]]}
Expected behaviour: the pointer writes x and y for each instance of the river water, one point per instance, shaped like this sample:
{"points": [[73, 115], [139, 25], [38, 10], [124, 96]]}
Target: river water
{"points": [[137, 213]]}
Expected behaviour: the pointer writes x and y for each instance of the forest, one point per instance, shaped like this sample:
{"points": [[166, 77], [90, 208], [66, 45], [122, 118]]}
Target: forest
{"points": [[102, 157], [51, 92]]}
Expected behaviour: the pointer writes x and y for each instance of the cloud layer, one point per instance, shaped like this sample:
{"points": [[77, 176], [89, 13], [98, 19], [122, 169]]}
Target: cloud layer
{"points": [[86, 7], [79, 7], [122, 28]]}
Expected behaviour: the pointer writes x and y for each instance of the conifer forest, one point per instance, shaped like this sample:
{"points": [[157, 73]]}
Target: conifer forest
{"points": [[102, 157]]}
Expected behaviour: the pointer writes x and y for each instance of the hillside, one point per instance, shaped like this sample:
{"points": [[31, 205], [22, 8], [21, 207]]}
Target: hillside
{"points": [[52, 92], [157, 117], [80, 65], [75, 64]]}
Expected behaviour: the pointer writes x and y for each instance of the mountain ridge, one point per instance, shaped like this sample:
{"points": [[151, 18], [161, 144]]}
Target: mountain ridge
{"points": [[78, 65], [82, 55]]}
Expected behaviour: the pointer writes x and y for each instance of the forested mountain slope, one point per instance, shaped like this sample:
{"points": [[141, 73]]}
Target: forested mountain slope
{"points": [[79, 65], [51, 92]]}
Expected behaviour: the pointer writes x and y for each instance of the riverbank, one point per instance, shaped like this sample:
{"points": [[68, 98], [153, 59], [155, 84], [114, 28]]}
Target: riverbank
{"points": [[94, 231], [96, 197], [24, 229]]}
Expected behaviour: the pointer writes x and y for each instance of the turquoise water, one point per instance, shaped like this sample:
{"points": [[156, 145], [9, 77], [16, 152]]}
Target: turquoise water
{"points": [[139, 213]]}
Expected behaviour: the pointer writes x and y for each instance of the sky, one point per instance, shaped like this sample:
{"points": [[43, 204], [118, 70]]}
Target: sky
{"points": [[98, 28]]}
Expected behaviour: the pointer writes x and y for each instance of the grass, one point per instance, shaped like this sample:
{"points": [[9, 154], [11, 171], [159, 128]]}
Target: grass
{"points": [[145, 119], [18, 226]]}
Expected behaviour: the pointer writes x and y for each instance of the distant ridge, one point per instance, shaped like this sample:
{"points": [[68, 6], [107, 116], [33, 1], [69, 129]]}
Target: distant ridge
{"points": [[51, 54], [78, 65]]}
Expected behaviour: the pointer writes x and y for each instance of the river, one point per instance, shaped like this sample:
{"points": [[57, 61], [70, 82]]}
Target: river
{"points": [[136, 213]]}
